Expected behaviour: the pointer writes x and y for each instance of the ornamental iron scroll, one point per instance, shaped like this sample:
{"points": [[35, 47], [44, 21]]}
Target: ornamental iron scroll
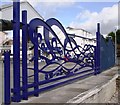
{"points": [[60, 56], [54, 62]]}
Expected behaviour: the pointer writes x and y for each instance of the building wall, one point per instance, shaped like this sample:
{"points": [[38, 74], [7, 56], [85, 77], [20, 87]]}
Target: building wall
{"points": [[77, 32], [82, 33], [7, 13], [2, 37]]}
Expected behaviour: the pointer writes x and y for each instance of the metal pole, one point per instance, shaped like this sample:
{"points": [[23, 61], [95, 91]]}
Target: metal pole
{"points": [[98, 46], [16, 51], [97, 52], [36, 71], [7, 77], [24, 54]]}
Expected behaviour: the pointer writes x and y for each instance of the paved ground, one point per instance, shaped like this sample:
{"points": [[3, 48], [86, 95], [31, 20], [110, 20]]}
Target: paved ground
{"points": [[30, 72], [114, 98], [67, 92]]}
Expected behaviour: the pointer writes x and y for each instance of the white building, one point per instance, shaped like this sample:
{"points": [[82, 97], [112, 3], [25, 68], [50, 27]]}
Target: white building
{"points": [[3, 36], [82, 36], [7, 14], [7, 11]]}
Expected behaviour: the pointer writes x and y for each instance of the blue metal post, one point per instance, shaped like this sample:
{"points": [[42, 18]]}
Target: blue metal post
{"points": [[36, 79], [24, 54], [98, 49], [95, 57], [7, 78], [16, 51]]}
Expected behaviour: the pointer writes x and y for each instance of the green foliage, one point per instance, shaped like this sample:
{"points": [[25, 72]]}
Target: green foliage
{"points": [[112, 34], [106, 39], [118, 36]]}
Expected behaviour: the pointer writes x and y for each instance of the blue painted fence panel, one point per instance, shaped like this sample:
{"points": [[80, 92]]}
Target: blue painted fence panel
{"points": [[107, 54], [64, 64]]}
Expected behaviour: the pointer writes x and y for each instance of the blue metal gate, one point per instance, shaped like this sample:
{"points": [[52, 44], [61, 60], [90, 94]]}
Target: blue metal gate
{"points": [[62, 66]]}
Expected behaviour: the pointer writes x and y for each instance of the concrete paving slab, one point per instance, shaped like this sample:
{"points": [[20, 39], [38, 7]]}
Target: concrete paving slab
{"points": [[93, 81], [77, 86], [114, 99], [111, 71], [60, 96], [86, 86], [80, 90], [67, 92], [98, 80]]}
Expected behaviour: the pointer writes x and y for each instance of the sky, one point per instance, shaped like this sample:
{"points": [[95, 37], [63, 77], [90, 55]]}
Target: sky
{"points": [[79, 14]]}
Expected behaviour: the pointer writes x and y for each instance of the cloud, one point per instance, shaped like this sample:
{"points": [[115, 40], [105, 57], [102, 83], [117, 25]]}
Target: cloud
{"points": [[72, 0], [50, 2], [108, 17], [49, 8]]}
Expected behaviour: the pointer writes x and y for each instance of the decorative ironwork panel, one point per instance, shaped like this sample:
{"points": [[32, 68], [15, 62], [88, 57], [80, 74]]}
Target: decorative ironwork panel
{"points": [[58, 60], [52, 61]]}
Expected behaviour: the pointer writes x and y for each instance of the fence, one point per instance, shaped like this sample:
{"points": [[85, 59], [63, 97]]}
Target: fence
{"points": [[53, 63], [107, 53]]}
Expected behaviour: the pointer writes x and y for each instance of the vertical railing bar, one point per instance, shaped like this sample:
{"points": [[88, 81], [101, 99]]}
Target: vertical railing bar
{"points": [[24, 53], [98, 49], [36, 63], [7, 97], [16, 51], [95, 57]]}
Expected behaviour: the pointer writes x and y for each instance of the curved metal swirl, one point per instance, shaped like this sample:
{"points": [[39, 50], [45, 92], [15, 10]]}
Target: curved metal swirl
{"points": [[84, 57]]}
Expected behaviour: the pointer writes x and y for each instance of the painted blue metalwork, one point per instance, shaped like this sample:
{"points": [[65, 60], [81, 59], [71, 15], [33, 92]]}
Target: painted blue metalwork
{"points": [[107, 54], [7, 96], [24, 54], [58, 63], [16, 51], [36, 70], [97, 54], [83, 61]]}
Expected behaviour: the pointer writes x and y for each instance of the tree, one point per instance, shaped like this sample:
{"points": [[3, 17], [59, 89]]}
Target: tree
{"points": [[112, 34], [118, 36]]}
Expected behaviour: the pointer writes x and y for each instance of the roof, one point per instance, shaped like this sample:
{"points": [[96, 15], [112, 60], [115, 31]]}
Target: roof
{"points": [[10, 5], [71, 28], [6, 40], [5, 6], [7, 25], [94, 39]]}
